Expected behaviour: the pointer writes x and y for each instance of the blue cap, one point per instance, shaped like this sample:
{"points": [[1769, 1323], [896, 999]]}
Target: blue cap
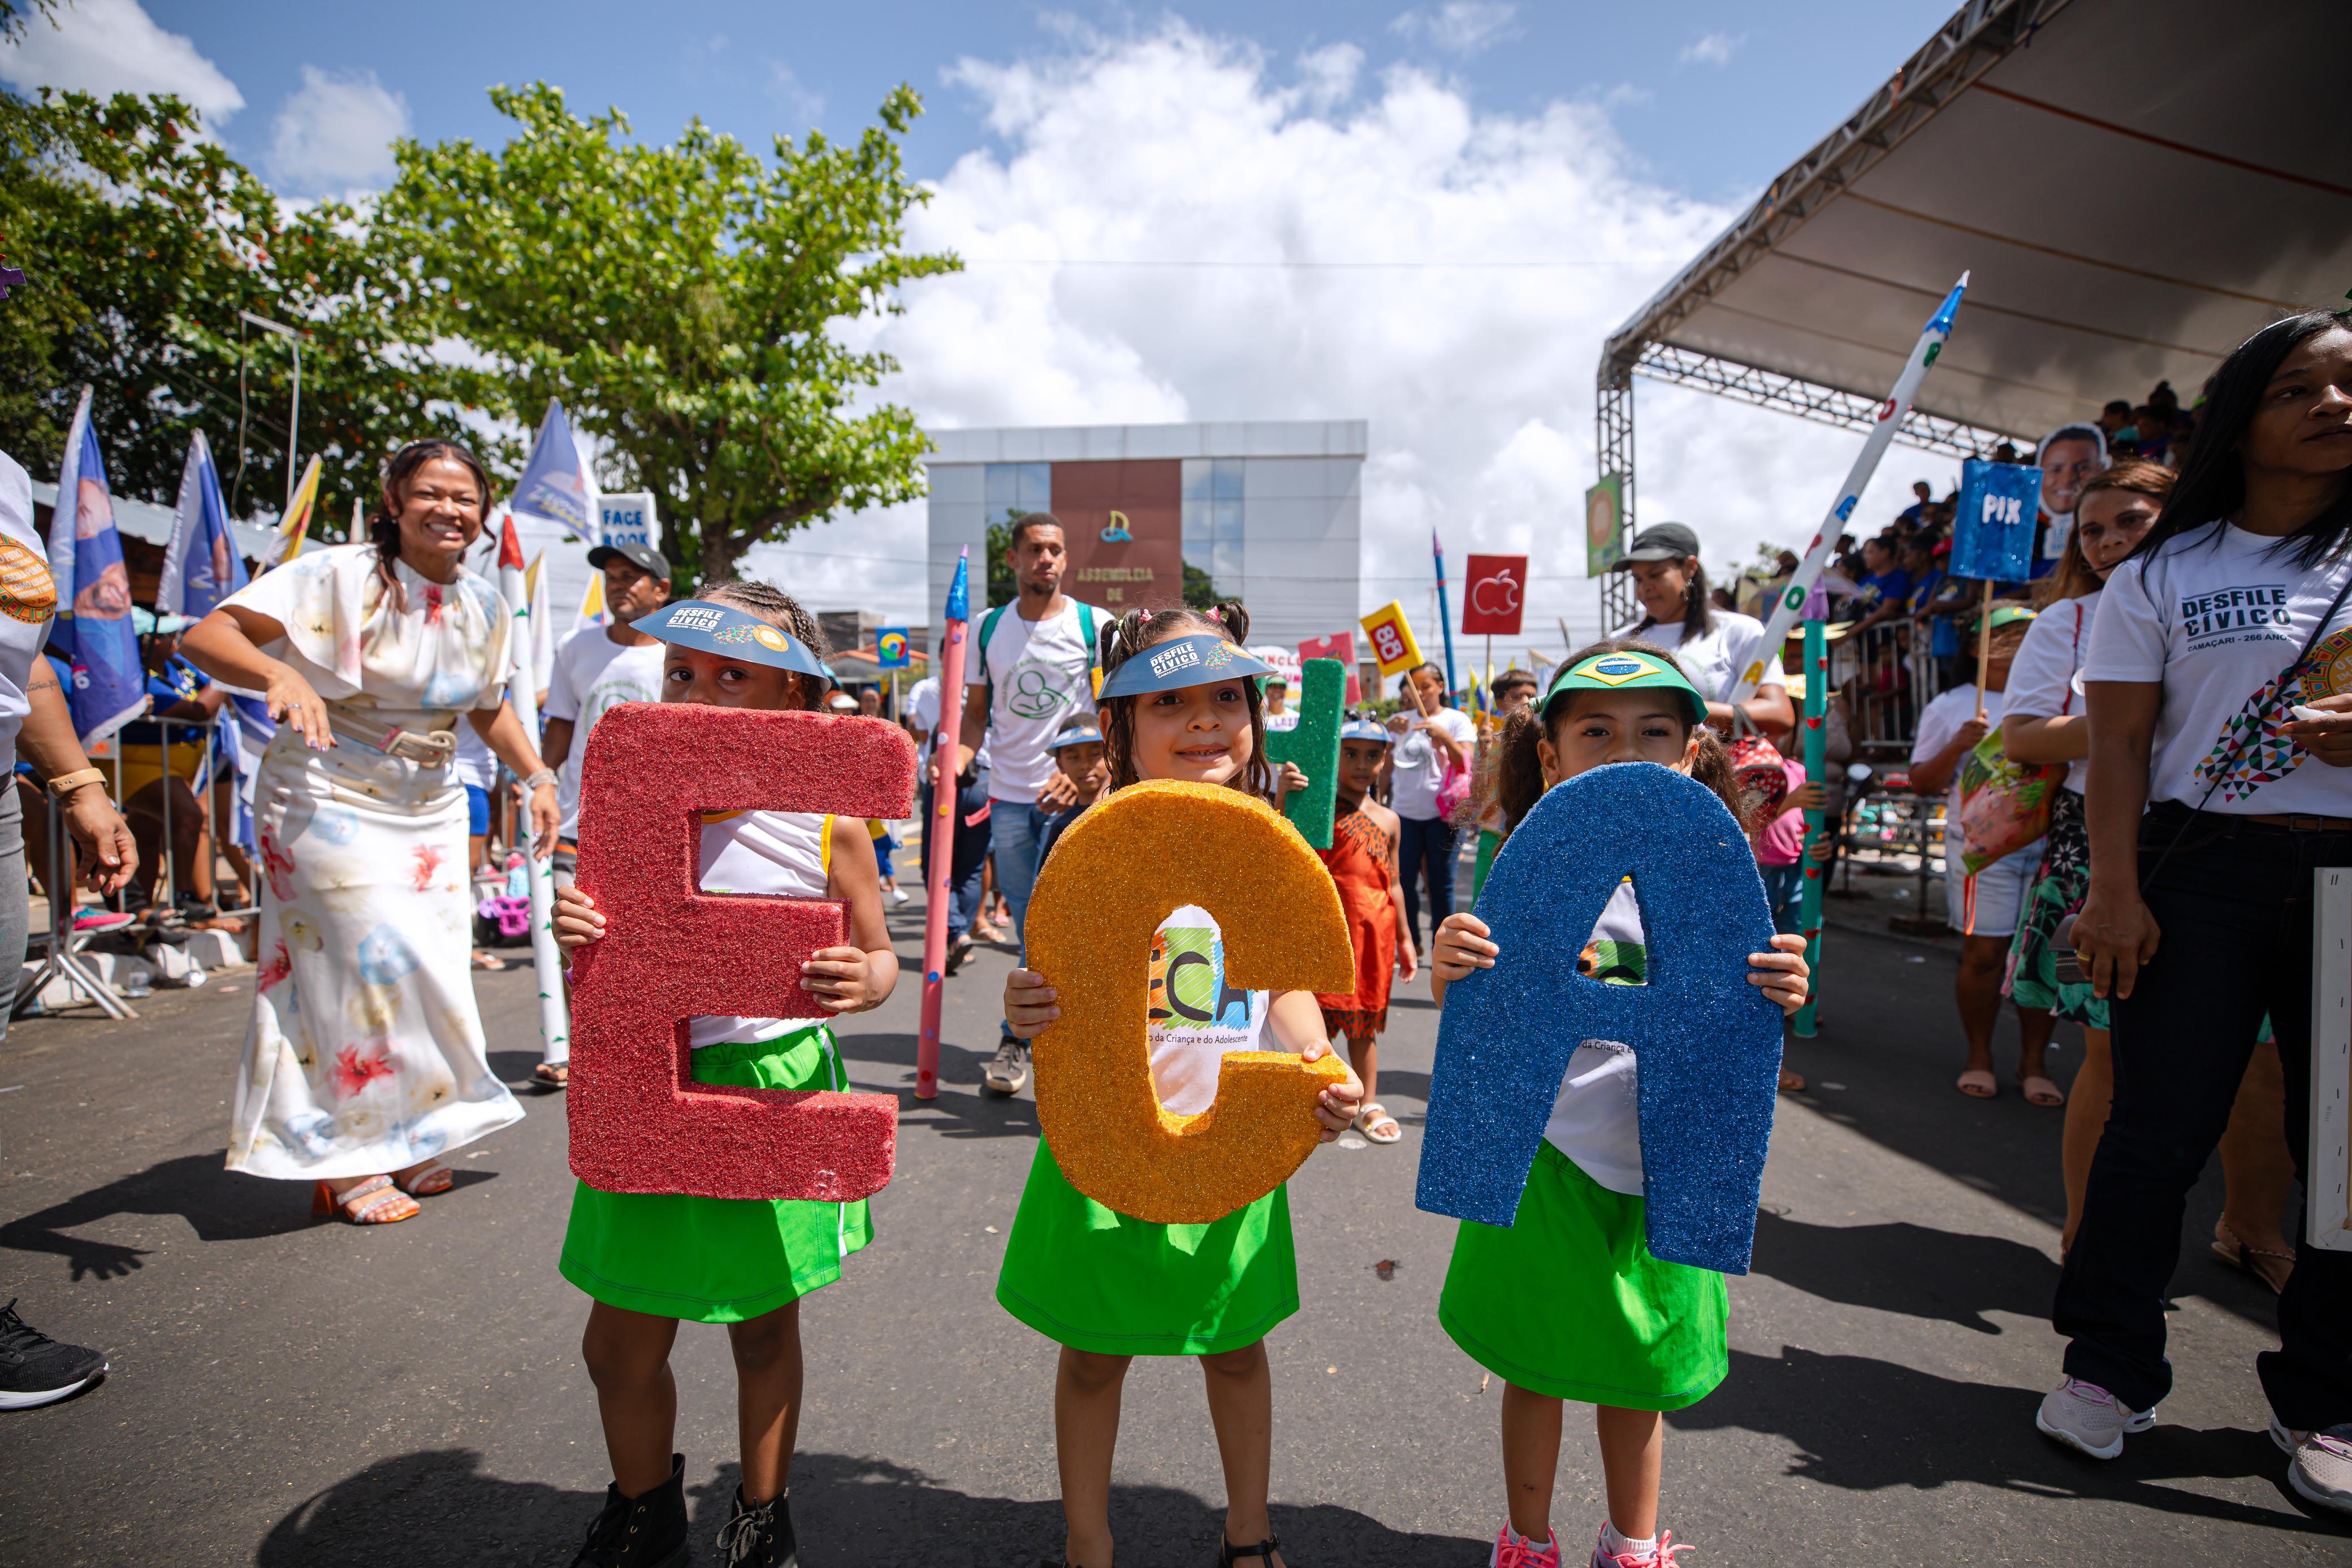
{"points": [[1366, 729], [1079, 735], [1180, 662], [730, 633]]}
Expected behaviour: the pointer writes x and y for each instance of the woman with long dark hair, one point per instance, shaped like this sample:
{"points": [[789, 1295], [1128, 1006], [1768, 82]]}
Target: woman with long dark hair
{"points": [[2220, 690], [1716, 647], [365, 1060]]}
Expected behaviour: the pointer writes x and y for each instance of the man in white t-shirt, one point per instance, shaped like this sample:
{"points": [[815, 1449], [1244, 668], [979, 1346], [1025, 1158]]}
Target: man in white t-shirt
{"points": [[637, 583], [1035, 661], [1714, 646], [1949, 729]]}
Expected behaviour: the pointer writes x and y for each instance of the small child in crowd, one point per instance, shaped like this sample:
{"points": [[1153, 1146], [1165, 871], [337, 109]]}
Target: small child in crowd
{"points": [[1362, 861], [1110, 1287], [1568, 1303], [652, 1261]]}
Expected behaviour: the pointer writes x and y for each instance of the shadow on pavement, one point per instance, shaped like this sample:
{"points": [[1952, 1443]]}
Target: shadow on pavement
{"points": [[1864, 1424], [218, 1206], [439, 1506], [1914, 1270]]}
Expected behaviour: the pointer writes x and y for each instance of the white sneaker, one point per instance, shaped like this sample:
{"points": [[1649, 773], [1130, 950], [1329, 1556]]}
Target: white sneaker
{"points": [[898, 895], [2322, 1472], [2086, 1417]]}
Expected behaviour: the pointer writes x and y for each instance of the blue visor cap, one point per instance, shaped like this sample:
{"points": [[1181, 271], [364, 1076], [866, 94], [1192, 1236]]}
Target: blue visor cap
{"points": [[1366, 729], [1082, 734], [732, 633], [1180, 662]]}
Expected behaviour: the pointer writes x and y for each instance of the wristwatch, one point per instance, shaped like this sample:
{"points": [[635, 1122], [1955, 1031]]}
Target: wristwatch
{"points": [[65, 784], [544, 776]]}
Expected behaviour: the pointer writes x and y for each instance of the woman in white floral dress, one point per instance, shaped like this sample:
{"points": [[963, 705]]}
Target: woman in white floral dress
{"points": [[365, 1060]]}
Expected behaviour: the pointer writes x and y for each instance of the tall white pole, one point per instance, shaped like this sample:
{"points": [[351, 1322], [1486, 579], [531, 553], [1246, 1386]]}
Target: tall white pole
{"points": [[554, 1027], [1891, 414]]}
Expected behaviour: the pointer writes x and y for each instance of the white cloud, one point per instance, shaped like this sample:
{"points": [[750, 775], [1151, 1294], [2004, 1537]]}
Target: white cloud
{"points": [[1713, 49], [786, 90], [336, 131], [1459, 26], [1477, 381], [113, 46]]}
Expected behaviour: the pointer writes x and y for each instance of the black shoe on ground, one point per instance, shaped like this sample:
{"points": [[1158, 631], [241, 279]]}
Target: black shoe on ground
{"points": [[644, 1531], [760, 1537], [37, 1370]]}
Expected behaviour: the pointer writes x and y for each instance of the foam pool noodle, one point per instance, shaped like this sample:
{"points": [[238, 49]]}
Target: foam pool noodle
{"points": [[671, 953], [1313, 744], [1706, 1042], [1118, 871]]}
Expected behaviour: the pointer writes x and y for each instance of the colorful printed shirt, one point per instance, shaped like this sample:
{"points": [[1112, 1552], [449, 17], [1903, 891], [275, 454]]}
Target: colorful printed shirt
{"points": [[1195, 1017]]}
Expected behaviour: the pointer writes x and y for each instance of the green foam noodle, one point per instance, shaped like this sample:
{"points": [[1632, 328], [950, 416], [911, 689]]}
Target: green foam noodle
{"points": [[1313, 744]]}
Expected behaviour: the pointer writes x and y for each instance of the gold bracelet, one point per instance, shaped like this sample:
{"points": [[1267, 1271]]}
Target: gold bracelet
{"points": [[65, 784]]}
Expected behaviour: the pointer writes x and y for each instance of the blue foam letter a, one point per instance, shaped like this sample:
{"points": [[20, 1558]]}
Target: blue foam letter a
{"points": [[1706, 1041]]}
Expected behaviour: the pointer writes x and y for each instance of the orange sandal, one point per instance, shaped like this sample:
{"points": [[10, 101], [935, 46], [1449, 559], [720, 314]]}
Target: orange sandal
{"points": [[374, 1201], [431, 1182]]}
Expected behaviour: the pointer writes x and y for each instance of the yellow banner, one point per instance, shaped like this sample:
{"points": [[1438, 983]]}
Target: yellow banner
{"points": [[1390, 634], [298, 516]]}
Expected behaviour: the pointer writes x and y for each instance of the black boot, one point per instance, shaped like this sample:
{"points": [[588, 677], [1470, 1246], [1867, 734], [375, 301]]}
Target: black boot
{"points": [[760, 1537], [644, 1531]]}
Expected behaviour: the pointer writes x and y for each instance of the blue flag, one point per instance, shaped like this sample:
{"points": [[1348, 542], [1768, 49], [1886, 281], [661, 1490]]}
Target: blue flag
{"points": [[554, 485], [201, 564], [1992, 531], [93, 627]]}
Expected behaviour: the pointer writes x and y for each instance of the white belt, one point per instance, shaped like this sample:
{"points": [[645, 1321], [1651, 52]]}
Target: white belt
{"points": [[425, 748]]}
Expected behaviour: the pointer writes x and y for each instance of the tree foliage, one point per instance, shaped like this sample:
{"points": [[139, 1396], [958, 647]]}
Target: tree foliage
{"points": [[141, 242], [686, 302]]}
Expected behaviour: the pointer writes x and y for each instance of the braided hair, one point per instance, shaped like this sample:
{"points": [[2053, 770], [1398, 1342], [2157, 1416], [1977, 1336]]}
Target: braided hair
{"points": [[1141, 628], [384, 523], [783, 611]]}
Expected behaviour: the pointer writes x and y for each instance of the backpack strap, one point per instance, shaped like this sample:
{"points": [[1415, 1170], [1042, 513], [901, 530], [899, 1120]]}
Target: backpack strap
{"points": [[987, 630]]}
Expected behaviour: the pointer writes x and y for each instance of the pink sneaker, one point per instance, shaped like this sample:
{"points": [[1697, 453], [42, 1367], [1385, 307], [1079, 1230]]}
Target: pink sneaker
{"points": [[1664, 1557], [1518, 1551]]}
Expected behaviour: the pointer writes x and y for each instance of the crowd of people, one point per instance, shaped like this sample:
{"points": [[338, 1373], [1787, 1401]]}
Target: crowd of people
{"points": [[2178, 677]]}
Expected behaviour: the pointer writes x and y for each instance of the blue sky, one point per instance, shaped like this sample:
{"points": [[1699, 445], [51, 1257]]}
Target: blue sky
{"points": [[1715, 98], [1607, 143]]}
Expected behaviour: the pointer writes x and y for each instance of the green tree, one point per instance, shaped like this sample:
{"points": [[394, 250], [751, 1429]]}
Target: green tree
{"points": [[141, 242], [1003, 588], [683, 301]]}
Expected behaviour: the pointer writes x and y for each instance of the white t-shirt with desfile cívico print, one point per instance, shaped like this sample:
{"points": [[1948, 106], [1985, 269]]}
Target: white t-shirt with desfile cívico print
{"points": [[2217, 614]]}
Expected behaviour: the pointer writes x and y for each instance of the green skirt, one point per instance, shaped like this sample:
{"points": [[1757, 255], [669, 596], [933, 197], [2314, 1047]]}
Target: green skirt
{"points": [[1569, 1303], [1097, 1279], [718, 1260], [1490, 843]]}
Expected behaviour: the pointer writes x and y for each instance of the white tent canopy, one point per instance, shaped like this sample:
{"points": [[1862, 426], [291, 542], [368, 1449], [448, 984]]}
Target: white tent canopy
{"points": [[2135, 186]]}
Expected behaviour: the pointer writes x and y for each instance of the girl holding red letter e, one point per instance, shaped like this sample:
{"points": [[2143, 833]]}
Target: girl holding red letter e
{"points": [[654, 1259], [1567, 1303], [1110, 1287]]}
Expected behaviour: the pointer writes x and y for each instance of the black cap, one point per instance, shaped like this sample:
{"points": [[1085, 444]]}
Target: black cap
{"points": [[645, 557], [1659, 541]]}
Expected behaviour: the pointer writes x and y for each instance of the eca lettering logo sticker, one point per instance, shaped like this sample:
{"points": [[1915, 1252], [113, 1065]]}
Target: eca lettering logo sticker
{"points": [[768, 637]]}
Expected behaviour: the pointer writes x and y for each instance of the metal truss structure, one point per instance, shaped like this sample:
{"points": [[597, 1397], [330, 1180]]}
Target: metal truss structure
{"points": [[1808, 400]]}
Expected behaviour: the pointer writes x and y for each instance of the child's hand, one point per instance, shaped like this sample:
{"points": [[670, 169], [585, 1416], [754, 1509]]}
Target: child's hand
{"points": [[1408, 962], [1028, 1004], [1806, 797], [1782, 972], [1825, 846], [1461, 946], [577, 924], [1291, 780], [1336, 1107], [840, 979]]}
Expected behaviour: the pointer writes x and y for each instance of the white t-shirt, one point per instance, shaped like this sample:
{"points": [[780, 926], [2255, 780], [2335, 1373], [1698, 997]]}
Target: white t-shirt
{"points": [[2041, 677], [630, 675], [1277, 723], [1419, 767], [28, 601], [1598, 1123], [1196, 1019], [1714, 660], [2216, 614], [780, 854], [1038, 675], [1939, 721], [923, 707], [477, 763], [580, 658]]}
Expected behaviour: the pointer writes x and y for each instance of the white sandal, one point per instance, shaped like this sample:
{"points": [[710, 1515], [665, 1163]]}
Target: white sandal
{"points": [[1372, 1119]]}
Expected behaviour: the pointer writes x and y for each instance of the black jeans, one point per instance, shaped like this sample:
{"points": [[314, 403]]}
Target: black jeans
{"points": [[1426, 848], [2233, 906], [971, 854]]}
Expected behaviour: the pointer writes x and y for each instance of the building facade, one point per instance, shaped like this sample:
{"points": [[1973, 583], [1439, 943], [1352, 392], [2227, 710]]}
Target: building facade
{"points": [[1269, 513]]}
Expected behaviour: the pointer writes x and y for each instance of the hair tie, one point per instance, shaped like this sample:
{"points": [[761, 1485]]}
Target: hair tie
{"points": [[1217, 614], [1146, 615]]}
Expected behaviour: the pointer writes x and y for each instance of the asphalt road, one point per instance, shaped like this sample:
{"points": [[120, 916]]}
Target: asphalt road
{"points": [[291, 1392]]}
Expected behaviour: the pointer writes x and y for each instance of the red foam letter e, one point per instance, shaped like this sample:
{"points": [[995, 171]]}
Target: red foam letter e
{"points": [[671, 953]]}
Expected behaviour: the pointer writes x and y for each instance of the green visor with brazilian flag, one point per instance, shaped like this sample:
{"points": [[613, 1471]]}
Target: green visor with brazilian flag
{"points": [[1623, 672]]}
